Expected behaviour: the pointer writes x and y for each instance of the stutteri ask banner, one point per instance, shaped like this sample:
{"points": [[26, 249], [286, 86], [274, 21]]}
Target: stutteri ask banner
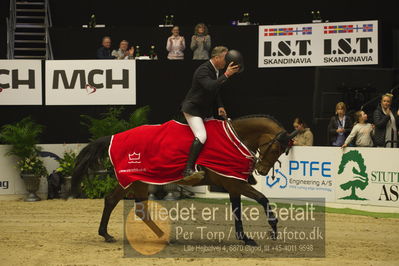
{"points": [[319, 44], [367, 176], [90, 82], [20, 82]]}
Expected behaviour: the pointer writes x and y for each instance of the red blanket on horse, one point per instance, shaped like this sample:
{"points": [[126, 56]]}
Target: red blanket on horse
{"points": [[158, 153]]}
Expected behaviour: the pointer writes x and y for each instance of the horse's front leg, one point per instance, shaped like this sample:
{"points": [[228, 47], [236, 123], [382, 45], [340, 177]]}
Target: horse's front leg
{"points": [[252, 193], [235, 200]]}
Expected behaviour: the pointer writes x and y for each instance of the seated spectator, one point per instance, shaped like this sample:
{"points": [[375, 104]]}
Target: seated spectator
{"points": [[200, 42], [175, 45], [304, 136], [123, 52], [361, 132], [386, 123], [340, 126], [104, 52]]}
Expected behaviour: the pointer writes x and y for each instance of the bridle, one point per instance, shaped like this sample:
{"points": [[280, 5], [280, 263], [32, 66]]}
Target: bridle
{"points": [[269, 144], [258, 158]]}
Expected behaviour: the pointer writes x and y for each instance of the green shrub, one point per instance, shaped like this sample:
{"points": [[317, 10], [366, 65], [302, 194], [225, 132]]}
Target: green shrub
{"points": [[98, 185], [23, 136], [67, 163], [111, 122]]}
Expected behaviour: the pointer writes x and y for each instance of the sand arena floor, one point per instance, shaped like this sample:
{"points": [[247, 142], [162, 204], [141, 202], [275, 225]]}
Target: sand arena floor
{"points": [[56, 232]]}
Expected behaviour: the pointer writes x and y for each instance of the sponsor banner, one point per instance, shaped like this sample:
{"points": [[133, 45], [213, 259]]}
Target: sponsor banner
{"points": [[90, 82], [354, 175], [20, 82], [319, 44], [303, 173], [367, 176]]}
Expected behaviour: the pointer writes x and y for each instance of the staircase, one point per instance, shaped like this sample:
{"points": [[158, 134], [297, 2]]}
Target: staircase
{"points": [[28, 30]]}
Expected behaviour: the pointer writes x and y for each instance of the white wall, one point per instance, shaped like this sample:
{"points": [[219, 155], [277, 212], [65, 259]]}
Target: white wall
{"points": [[10, 174]]}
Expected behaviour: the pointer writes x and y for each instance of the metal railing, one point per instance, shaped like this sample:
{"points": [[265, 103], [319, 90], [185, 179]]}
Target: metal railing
{"points": [[11, 21], [8, 39], [48, 23], [11, 26], [392, 141]]}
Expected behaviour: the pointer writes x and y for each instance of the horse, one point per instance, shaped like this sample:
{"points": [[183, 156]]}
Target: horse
{"points": [[263, 135]]}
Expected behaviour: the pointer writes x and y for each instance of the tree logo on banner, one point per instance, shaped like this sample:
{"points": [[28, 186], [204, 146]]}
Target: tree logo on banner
{"points": [[360, 178]]}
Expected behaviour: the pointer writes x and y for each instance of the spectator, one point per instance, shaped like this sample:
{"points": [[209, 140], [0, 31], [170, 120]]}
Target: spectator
{"points": [[104, 52], [176, 45], [304, 136], [361, 132], [340, 126], [123, 52], [201, 42], [386, 123]]}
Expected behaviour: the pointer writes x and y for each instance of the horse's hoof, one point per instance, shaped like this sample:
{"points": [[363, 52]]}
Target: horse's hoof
{"points": [[250, 242], [273, 235], [110, 239], [273, 223], [195, 176]]}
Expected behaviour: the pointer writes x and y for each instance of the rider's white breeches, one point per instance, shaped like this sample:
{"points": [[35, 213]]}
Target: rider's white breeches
{"points": [[197, 126]]}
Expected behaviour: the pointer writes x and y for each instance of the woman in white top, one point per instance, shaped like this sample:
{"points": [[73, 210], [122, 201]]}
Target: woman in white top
{"points": [[176, 45], [361, 130]]}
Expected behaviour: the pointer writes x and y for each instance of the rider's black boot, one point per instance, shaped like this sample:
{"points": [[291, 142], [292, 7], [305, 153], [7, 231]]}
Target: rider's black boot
{"points": [[189, 173]]}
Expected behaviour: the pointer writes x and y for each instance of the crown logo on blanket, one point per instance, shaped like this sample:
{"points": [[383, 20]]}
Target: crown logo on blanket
{"points": [[134, 157]]}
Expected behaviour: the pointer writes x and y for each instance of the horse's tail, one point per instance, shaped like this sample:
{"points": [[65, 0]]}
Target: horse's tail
{"points": [[88, 158]]}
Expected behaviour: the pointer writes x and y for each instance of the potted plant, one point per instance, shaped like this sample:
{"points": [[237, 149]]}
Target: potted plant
{"points": [[67, 164], [32, 169], [23, 137]]}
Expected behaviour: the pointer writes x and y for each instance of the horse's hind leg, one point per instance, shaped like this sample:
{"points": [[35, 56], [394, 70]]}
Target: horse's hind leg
{"points": [[141, 208], [110, 202], [235, 200]]}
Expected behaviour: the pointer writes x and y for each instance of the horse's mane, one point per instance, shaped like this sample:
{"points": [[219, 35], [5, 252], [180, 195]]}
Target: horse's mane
{"points": [[260, 116]]}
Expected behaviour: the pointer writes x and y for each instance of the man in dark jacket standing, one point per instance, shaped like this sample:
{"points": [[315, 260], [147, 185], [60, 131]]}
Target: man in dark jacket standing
{"points": [[199, 102], [104, 52]]}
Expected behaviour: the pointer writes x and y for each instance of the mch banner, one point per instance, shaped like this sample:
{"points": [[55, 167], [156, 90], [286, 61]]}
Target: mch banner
{"points": [[90, 82], [319, 44], [20, 82]]}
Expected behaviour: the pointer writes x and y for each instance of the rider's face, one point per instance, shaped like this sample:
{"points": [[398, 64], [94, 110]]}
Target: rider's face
{"points": [[220, 61]]}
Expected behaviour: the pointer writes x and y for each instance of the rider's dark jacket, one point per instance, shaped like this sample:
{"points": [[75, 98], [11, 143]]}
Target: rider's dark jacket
{"points": [[205, 91]]}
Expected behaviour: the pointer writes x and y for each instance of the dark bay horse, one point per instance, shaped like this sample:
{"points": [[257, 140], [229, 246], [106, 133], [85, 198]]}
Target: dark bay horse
{"points": [[261, 134]]}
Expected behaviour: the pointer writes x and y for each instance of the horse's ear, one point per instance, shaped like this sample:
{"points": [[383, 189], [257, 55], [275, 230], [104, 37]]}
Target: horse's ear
{"points": [[293, 134]]}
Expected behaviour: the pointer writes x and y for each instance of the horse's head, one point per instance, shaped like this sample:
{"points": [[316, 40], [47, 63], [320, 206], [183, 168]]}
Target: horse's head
{"points": [[265, 135], [271, 146]]}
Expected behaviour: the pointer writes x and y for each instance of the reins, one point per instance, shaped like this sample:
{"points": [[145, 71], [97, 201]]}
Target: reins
{"points": [[256, 158]]}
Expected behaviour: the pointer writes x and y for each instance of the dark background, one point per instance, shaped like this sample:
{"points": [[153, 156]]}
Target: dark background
{"points": [[4, 12], [286, 93]]}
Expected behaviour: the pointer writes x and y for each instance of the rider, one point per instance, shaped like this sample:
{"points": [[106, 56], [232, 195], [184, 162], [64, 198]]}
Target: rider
{"points": [[200, 100]]}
